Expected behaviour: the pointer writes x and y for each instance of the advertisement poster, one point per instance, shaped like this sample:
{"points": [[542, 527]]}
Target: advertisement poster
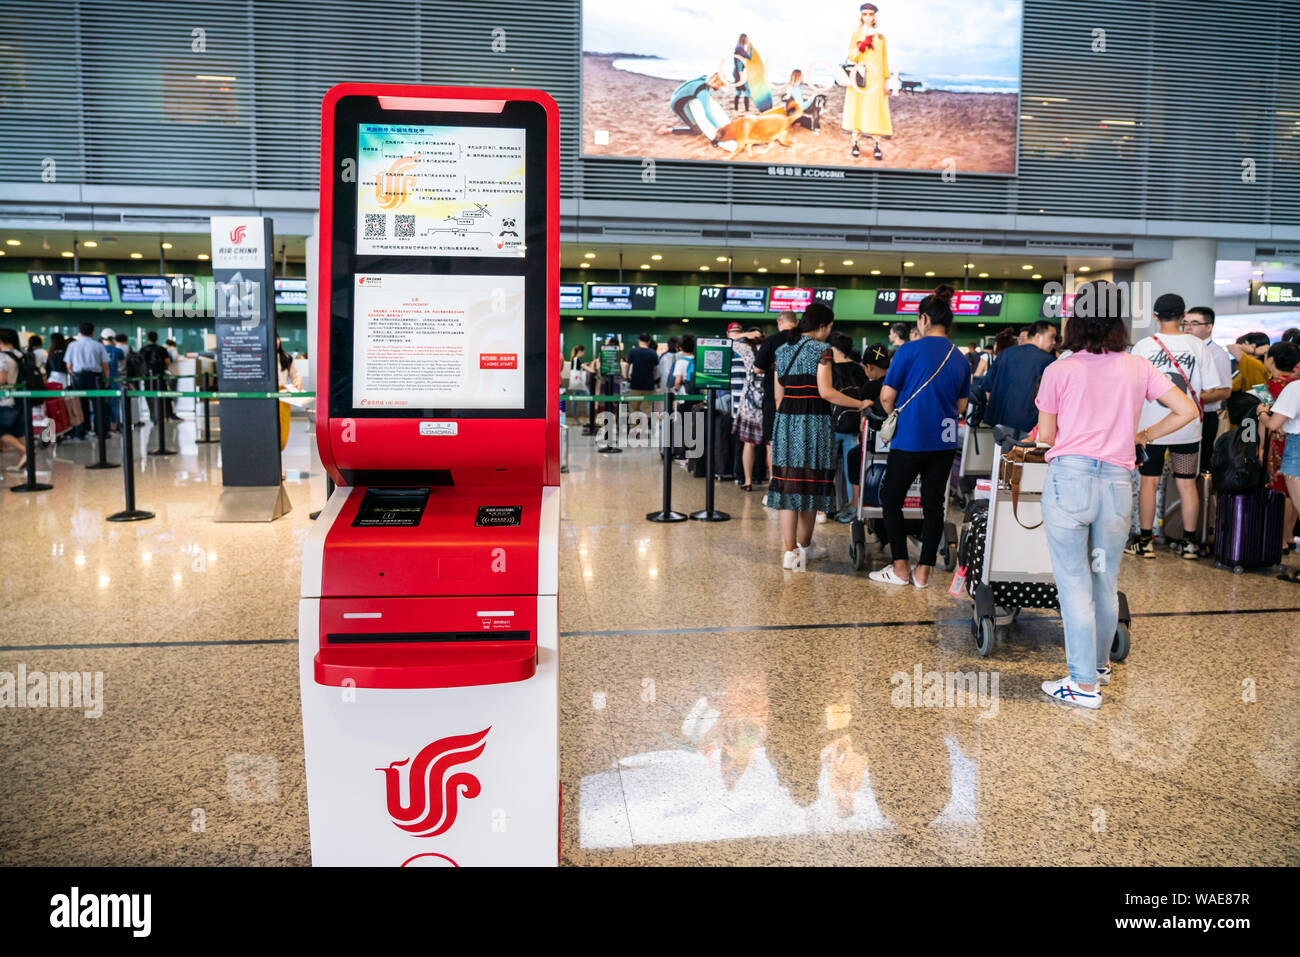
{"points": [[438, 342], [929, 85], [440, 191]]}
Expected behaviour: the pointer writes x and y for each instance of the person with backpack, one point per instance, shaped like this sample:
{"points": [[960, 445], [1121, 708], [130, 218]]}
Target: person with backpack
{"points": [[1184, 360], [17, 371], [847, 376], [156, 363], [116, 372]]}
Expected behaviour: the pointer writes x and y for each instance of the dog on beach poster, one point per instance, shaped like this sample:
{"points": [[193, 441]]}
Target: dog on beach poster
{"points": [[919, 85]]}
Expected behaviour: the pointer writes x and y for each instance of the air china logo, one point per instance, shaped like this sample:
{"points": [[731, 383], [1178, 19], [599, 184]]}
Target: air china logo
{"points": [[433, 792], [391, 188], [237, 234]]}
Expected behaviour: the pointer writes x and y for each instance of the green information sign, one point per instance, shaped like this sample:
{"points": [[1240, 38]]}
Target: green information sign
{"points": [[609, 364], [712, 364]]}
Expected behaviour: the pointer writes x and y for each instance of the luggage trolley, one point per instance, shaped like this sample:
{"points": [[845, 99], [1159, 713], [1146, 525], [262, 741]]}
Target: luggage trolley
{"points": [[1008, 566], [874, 513]]}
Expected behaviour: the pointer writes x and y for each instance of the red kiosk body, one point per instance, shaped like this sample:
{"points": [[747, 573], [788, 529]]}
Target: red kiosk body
{"points": [[428, 622]]}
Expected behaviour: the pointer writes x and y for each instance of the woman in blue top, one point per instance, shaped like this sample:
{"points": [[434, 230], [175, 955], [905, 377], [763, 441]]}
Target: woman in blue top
{"points": [[803, 442], [929, 383]]}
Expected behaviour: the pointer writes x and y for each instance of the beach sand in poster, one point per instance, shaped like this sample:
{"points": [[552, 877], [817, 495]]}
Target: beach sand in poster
{"points": [[975, 130]]}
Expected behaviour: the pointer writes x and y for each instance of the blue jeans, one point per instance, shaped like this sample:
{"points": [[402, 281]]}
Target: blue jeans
{"points": [[1086, 508]]}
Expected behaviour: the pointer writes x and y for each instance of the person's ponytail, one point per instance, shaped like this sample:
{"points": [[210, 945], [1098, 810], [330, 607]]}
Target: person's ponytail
{"points": [[937, 307]]}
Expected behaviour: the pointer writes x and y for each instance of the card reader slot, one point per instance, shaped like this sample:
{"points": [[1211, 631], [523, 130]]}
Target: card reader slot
{"points": [[425, 637]]}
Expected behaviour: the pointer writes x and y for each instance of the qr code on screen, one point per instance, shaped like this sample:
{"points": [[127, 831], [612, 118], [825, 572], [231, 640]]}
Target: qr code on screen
{"points": [[403, 226], [375, 225]]}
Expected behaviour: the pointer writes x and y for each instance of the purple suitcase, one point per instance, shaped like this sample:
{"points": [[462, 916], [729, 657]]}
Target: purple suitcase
{"points": [[1248, 529]]}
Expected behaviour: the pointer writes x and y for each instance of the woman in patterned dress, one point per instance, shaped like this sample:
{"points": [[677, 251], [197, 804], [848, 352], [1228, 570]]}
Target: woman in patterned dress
{"points": [[803, 442], [748, 414]]}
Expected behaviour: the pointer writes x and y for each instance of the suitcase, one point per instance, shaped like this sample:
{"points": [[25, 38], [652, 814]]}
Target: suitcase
{"points": [[1248, 529], [1171, 522]]}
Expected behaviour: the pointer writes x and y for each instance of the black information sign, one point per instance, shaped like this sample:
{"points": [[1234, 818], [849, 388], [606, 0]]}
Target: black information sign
{"points": [[70, 286], [1274, 293], [732, 299], [621, 296], [570, 295], [498, 515], [154, 288], [391, 508]]}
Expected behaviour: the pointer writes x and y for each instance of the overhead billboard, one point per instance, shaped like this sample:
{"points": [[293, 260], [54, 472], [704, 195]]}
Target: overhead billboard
{"points": [[929, 85]]}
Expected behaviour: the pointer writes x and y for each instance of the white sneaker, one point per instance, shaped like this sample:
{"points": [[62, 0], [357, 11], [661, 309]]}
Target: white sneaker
{"points": [[1103, 675], [888, 576], [813, 551], [1066, 691], [795, 560]]}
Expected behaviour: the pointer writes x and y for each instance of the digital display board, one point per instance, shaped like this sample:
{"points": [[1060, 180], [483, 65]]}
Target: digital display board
{"points": [[1274, 293], [571, 295], [440, 190], [894, 302], [436, 342], [617, 296], [732, 299], [69, 286], [290, 292], [781, 298], [875, 77], [154, 288]]}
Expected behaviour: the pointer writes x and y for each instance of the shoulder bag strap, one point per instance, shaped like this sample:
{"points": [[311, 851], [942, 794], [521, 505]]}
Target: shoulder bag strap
{"points": [[1186, 378], [793, 357]]}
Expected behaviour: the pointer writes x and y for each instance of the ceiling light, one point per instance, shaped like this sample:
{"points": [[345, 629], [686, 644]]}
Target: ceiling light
{"points": [[984, 275], [203, 255], [7, 309], [137, 255], [875, 272], [722, 259], [90, 244], [1026, 267], [128, 312], [704, 269], [762, 269], [1036, 275], [2, 252], [13, 242], [645, 265], [819, 270], [656, 257], [969, 266], [66, 255], [166, 245], [1222, 280], [786, 261], [1258, 272], [1085, 269], [580, 320], [584, 265], [848, 262], [589, 255], [930, 272], [909, 263]]}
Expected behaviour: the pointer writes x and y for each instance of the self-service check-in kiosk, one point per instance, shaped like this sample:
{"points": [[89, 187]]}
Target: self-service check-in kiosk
{"points": [[428, 624]]}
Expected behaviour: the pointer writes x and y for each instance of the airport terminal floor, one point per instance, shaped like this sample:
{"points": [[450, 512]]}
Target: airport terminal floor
{"points": [[714, 708]]}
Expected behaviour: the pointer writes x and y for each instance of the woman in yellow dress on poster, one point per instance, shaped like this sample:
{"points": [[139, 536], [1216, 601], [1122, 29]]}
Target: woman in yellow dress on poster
{"points": [[866, 103]]}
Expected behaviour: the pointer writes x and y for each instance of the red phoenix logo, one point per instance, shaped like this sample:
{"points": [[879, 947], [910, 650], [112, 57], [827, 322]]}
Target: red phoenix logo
{"points": [[237, 234], [432, 792]]}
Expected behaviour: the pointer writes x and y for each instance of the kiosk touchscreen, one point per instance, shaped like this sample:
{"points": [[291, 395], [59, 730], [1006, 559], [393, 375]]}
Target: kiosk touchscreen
{"points": [[428, 619]]}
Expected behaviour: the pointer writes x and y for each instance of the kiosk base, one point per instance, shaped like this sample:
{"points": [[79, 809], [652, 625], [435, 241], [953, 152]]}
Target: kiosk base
{"points": [[258, 503]]}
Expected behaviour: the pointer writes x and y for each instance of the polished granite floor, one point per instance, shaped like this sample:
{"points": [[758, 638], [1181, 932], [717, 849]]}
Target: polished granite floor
{"points": [[715, 709]]}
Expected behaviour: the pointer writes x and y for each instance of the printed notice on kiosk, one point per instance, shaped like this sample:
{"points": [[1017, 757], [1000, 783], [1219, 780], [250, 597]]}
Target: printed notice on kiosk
{"points": [[438, 342]]}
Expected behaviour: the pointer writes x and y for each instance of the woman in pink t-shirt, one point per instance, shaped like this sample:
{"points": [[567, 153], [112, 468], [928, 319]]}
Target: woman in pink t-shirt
{"points": [[1088, 409]]}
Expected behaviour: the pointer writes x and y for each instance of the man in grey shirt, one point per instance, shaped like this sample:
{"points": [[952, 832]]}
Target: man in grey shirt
{"points": [[87, 361]]}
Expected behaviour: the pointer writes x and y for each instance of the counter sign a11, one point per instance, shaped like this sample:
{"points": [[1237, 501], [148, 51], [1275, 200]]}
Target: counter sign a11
{"points": [[69, 286], [621, 297]]}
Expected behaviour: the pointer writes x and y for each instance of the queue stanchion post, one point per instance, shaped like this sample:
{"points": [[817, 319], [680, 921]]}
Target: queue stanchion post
{"points": [[130, 513], [709, 513], [206, 438], [29, 441], [666, 514], [160, 419], [101, 435]]}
